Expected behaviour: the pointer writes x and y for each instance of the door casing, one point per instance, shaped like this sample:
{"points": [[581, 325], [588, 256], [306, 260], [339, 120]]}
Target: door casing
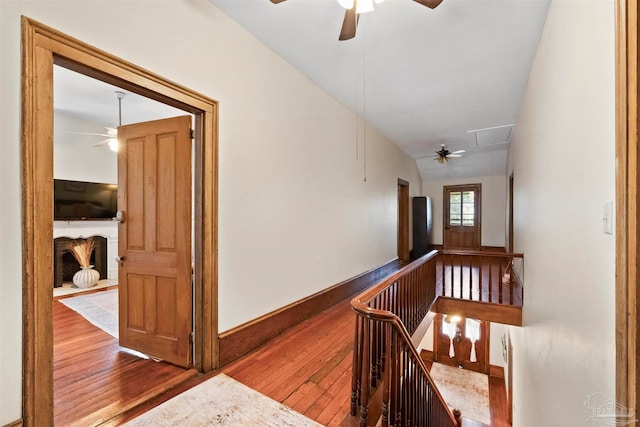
{"points": [[476, 234], [42, 47]]}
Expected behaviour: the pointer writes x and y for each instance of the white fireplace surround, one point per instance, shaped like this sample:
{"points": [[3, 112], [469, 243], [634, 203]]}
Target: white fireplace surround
{"points": [[83, 229]]}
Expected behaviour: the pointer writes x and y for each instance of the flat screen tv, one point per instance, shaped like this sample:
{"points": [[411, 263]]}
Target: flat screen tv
{"points": [[79, 200]]}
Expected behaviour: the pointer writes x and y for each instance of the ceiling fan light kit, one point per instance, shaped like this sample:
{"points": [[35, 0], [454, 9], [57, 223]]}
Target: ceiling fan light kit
{"points": [[357, 7], [362, 6], [443, 155]]}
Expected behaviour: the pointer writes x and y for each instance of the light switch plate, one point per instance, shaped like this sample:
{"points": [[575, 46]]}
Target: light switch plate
{"points": [[607, 218]]}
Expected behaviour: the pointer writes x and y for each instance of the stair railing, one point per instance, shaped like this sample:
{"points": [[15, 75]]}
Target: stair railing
{"points": [[386, 316]]}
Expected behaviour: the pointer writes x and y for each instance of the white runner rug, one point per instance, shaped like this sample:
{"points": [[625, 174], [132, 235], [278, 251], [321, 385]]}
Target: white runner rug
{"points": [[222, 401], [465, 390], [99, 308]]}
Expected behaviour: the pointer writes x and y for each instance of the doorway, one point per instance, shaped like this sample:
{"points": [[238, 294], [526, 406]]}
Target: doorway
{"points": [[461, 342], [403, 220], [42, 48], [510, 214], [462, 207]]}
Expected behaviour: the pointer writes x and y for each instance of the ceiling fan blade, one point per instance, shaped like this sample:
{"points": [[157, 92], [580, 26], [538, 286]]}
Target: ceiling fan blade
{"points": [[454, 155], [349, 24], [459, 152], [88, 133], [431, 4], [103, 142], [276, 1]]}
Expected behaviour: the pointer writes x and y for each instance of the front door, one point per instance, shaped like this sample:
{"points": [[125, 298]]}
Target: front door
{"points": [[462, 216], [461, 342], [154, 238]]}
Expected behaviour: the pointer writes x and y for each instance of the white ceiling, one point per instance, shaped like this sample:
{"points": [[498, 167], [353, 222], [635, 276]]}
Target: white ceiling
{"points": [[95, 101], [422, 77]]}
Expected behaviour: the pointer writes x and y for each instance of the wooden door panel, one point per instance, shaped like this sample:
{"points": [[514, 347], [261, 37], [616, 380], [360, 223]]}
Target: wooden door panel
{"points": [[461, 236], [154, 191]]}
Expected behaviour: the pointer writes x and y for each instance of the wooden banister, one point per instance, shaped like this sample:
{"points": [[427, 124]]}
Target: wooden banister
{"points": [[386, 315], [389, 313]]}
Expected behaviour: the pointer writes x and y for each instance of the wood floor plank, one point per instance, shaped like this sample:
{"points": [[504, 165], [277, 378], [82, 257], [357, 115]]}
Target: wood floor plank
{"points": [[94, 378]]}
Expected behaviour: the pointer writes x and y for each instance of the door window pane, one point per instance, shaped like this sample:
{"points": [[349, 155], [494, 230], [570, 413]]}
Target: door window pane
{"points": [[468, 208], [455, 208], [462, 208]]}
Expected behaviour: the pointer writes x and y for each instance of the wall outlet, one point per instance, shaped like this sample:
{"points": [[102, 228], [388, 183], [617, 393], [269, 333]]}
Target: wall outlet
{"points": [[607, 218]]}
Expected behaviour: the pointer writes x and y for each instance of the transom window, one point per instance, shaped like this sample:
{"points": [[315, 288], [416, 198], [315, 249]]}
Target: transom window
{"points": [[462, 209]]}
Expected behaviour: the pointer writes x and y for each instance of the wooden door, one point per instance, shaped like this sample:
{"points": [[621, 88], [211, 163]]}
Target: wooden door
{"points": [[403, 220], [154, 240], [462, 216], [462, 345]]}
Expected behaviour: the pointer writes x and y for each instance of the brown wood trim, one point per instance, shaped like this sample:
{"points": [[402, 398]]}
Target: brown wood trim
{"points": [[481, 253], [251, 335], [492, 312], [493, 249], [498, 249], [43, 46], [627, 201], [496, 371], [426, 355], [16, 423], [404, 213]]}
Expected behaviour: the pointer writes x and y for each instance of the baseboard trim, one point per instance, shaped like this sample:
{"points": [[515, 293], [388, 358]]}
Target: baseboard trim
{"points": [[496, 371], [251, 335], [16, 423]]}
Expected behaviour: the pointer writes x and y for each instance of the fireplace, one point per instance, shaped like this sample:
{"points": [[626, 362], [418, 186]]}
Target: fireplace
{"points": [[65, 265]]}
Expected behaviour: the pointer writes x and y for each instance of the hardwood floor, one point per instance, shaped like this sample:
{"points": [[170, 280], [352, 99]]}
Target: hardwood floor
{"points": [[94, 378], [308, 368]]}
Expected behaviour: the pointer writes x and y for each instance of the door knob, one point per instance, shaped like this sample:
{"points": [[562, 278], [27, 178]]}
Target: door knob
{"points": [[120, 260]]}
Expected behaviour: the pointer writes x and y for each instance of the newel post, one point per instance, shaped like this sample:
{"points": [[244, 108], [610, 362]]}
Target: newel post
{"points": [[458, 415]]}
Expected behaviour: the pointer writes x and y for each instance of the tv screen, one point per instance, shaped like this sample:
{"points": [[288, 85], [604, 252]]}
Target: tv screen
{"points": [[79, 200]]}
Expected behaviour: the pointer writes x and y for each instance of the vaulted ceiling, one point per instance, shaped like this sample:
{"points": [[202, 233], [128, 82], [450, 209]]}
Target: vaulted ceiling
{"points": [[422, 77]]}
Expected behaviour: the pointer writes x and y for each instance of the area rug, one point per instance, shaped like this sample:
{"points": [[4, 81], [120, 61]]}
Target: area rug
{"points": [[465, 390], [99, 308], [222, 401]]}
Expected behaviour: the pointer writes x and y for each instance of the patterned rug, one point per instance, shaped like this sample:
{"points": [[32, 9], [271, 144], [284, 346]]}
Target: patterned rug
{"points": [[221, 401], [465, 390], [99, 308]]}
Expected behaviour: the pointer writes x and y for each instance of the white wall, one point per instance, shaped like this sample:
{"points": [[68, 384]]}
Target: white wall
{"points": [[562, 156], [75, 157], [295, 215], [493, 207]]}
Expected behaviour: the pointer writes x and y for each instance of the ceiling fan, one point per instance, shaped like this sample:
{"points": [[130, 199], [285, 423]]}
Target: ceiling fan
{"points": [[357, 7], [111, 133], [443, 155]]}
